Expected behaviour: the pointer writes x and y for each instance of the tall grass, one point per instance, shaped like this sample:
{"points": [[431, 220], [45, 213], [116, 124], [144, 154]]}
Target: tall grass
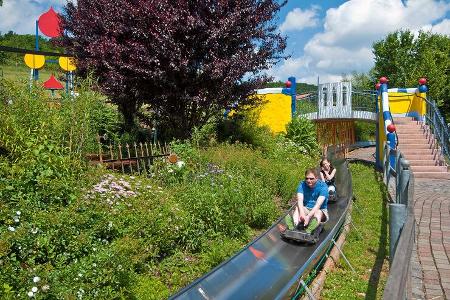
{"points": [[366, 247], [69, 230]]}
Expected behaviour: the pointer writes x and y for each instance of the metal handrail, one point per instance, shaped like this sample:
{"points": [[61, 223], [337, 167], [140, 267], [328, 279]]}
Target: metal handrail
{"points": [[437, 124], [363, 100], [401, 225]]}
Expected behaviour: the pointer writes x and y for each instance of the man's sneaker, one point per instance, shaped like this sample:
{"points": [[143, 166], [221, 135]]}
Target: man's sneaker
{"points": [[289, 222], [312, 225]]}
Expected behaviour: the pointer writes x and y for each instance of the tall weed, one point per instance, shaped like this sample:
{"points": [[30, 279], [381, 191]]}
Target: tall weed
{"points": [[43, 145], [302, 132]]}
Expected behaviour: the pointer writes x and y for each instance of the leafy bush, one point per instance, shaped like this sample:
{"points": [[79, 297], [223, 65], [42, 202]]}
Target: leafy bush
{"points": [[43, 145], [365, 131], [242, 128], [303, 133], [68, 231]]}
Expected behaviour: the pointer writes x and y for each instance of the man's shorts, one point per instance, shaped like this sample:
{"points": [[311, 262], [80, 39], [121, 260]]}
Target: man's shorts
{"points": [[325, 216]]}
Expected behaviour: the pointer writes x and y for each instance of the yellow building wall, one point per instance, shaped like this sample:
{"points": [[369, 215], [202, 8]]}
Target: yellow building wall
{"points": [[275, 111], [402, 103]]}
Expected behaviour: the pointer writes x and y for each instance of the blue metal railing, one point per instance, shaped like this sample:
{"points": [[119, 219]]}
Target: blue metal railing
{"points": [[439, 128], [364, 100], [401, 225]]}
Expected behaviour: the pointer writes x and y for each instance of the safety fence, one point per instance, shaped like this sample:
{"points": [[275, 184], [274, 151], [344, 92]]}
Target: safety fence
{"points": [[401, 224], [361, 101], [436, 126], [132, 158]]}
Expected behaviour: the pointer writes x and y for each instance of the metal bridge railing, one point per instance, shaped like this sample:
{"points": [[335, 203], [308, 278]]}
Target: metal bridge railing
{"points": [[364, 100], [401, 225], [307, 102], [439, 128]]}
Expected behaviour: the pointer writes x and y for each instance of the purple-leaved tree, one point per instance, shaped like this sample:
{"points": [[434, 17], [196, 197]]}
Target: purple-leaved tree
{"points": [[187, 59]]}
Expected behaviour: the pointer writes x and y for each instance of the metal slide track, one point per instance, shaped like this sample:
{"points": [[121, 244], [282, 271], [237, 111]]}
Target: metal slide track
{"points": [[269, 267]]}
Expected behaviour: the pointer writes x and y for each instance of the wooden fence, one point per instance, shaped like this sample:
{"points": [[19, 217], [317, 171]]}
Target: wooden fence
{"points": [[337, 133], [132, 158]]}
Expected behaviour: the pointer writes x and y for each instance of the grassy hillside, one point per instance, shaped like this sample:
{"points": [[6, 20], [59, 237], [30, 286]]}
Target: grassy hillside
{"points": [[366, 247]]}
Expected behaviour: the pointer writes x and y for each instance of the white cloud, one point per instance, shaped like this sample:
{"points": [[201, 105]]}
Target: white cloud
{"points": [[20, 15], [345, 44], [298, 19], [442, 27]]}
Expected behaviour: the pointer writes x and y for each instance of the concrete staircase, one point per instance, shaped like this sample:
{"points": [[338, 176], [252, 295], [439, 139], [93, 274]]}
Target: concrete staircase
{"points": [[418, 146]]}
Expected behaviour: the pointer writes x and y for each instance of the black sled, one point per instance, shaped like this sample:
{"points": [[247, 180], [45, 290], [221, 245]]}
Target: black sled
{"points": [[300, 235]]}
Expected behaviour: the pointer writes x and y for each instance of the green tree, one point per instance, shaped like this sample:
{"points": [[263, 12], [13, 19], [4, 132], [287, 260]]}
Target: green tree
{"points": [[395, 57], [187, 59], [360, 81], [404, 59]]}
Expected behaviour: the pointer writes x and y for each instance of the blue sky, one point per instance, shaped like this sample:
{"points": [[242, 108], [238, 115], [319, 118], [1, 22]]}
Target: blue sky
{"points": [[326, 38]]}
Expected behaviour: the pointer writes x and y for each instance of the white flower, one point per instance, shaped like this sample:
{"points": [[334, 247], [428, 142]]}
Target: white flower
{"points": [[180, 164], [34, 231], [16, 219], [30, 294], [10, 228], [45, 287], [36, 279], [34, 289], [18, 212]]}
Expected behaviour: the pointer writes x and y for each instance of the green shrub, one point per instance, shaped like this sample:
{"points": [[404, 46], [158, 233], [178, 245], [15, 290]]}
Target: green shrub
{"points": [[242, 128], [303, 133], [87, 232], [43, 146], [365, 131]]}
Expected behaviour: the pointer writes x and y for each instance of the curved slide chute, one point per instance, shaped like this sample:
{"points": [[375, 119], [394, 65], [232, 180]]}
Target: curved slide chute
{"points": [[269, 267]]}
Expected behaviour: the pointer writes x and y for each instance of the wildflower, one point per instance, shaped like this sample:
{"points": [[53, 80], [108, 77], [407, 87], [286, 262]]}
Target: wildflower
{"points": [[180, 164], [34, 289], [30, 294], [36, 279], [18, 212], [10, 228], [45, 288]]}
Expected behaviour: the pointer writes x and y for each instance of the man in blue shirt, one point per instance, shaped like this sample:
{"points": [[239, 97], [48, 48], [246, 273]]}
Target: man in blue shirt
{"points": [[312, 199]]}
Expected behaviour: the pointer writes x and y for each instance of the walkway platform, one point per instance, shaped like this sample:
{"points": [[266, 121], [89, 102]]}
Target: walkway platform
{"points": [[430, 262]]}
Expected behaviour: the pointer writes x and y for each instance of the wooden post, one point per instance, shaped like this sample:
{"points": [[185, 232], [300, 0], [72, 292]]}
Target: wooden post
{"points": [[121, 158], [142, 155], [111, 156], [137, 158], [99, 149], [129, 157]]}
